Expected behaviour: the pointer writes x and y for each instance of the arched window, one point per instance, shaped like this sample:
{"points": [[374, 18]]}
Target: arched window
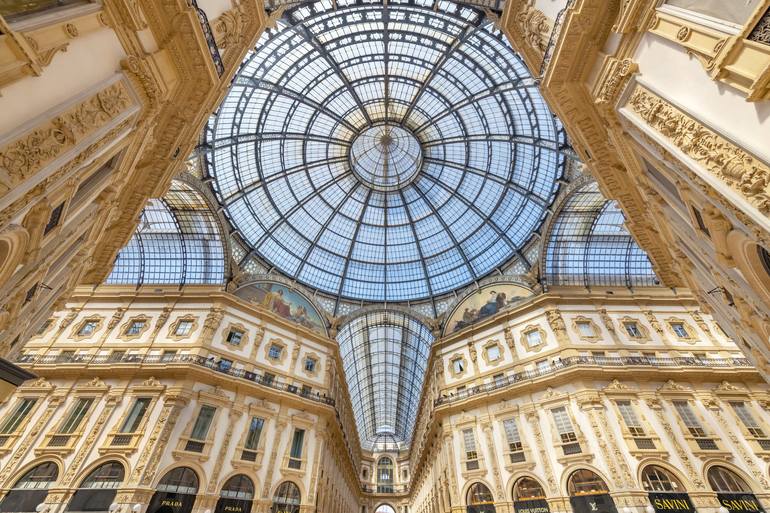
{"points": [[385, 475], [238, 487], [385, 508], [179, 480], [236, 495], [585, 482], [723, 480], [286, 498], [658, 479], [175, 492], [98, 489], [527, 489], [31, 489], [479, 494]]}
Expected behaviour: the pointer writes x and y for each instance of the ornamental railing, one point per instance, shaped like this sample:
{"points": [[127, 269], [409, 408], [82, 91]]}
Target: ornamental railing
{"points": [[223, 366], [603, 361], [209, 35]]}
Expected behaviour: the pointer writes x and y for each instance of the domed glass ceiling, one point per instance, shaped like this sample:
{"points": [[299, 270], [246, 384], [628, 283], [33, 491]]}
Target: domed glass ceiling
{"points": [[385, 153]]}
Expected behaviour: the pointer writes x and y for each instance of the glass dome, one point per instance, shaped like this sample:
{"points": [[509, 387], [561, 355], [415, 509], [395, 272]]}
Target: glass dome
{"points": [[384, 152]]}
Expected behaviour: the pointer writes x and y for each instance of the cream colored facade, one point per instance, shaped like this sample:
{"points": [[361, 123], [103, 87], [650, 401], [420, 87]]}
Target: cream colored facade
{"points": [[667, 104], [556, 350], [101, 103]]}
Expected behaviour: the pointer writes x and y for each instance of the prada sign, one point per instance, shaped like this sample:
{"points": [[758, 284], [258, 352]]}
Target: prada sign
{"points": [[533, 506], [233, 506], [740, 502], [671, 502], [169, 502], [601, 503]]}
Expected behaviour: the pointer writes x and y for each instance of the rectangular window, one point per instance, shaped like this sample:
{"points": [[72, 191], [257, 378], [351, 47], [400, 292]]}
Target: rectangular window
{"points": [[87, 328], [458, 365], [295, 456], [680, 330], [203, 423], [76, 415], [310, 364], [533, 338], [632, 329], [183, 328], [255, 431], [275, 352], [744, 413], [135, 328], [564, 424], [471, 456], [234, 337], [135, 416], [54, 218], [630, 418], [512, 435], [493, 353], [688, 417], [12, 423], [585, 329]]}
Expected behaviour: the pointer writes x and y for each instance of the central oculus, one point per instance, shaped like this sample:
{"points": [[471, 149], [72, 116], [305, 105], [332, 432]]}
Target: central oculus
{"points": [[386, 157]]}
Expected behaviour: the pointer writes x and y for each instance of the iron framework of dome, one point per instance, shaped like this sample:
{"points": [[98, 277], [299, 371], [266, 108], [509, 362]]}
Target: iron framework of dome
{"points": [[384, 153]]}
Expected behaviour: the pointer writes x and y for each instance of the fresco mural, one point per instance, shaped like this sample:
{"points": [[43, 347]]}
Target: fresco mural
{"points": [[285, 302], [484, 303]]}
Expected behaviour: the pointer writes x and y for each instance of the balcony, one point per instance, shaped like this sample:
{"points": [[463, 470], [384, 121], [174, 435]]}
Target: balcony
{"points": [[587, 361], [164, 361]]}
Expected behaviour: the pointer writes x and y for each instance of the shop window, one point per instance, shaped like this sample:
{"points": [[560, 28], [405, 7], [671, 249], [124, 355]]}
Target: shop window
{"points": [[723, 480], [527, 489], [31, 489], [237, 488], [658, 479], [287, 498], [178, 487], [480, 499], [585, 482], [97, 491]]}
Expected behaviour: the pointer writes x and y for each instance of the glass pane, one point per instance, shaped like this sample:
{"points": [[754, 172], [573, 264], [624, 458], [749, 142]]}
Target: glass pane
{"points": [[76, 415], [203, 422], [732, 11], [134, 418]]}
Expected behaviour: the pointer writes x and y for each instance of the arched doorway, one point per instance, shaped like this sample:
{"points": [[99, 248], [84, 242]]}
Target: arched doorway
{"points": [[529, 496], [31, 489], [385, 475], [236, 495], [286, 498], [588, 493], [732, 491], [98, 489], [385, 508], [665, 491], [480, 499], [176, 492]]}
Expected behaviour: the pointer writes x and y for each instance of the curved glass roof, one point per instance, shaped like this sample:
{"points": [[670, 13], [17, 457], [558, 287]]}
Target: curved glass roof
{"points": [[590, 245], [177, 242], [385, 355], [384, 152]]}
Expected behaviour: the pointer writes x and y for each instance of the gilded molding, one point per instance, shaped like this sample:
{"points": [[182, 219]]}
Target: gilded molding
{"points": [[30, 153], [741, 171]]}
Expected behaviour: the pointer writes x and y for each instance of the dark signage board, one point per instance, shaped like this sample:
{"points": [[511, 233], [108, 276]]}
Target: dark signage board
{"points": [[481, 508], [665, 502], [233, 506], [169, 502], [533, 506], [601, 503], [740, 502]]}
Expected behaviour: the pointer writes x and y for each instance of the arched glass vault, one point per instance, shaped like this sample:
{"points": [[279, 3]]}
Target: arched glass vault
{"points": [[177, 242], [589, 245], [385, 152], [385, 354]]}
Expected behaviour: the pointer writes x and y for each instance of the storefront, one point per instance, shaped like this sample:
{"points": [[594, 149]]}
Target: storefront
{"points": [[588, 493], [732, 491], [665, 491], [480, 499], [236, 496], [97, 491], [176, 492], [529, 497], [31, 489], [286, 498]]}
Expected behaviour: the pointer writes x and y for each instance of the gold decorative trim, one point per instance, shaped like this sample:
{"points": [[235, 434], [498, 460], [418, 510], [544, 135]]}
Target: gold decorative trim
{"points": [[741, 171]]}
